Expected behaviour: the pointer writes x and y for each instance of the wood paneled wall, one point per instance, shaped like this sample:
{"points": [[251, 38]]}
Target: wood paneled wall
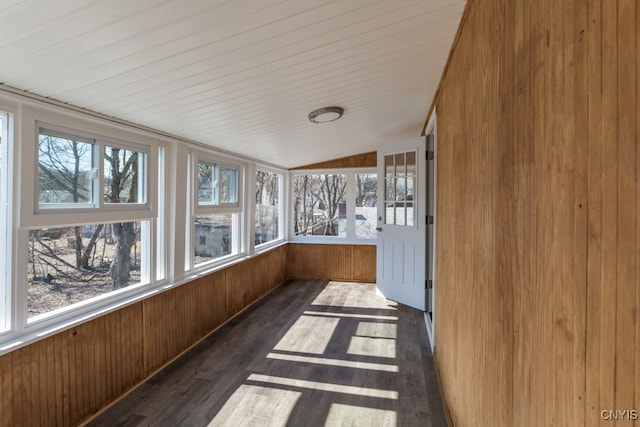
{"points": [[364, 160], [537, 320], [332, 262], [66, 378]]}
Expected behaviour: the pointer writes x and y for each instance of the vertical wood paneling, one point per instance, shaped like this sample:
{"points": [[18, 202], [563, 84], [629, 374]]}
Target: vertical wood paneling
{"points": [[637, 248], [64, 379], [595, 207], [332, 262], [627, 113], [538, 207], [196, 309]]}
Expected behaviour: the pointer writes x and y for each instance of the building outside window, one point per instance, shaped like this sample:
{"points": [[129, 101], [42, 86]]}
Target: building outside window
{"points": [[217, 210]]}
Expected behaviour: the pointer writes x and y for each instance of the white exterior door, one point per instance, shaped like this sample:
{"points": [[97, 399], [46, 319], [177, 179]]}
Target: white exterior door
{"points": [[401, 242]]}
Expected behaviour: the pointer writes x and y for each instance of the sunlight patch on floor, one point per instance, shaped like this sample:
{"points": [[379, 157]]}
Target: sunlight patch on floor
{"points": [[349, 415], [297, 337], [374, 347], [352, 295], [377, 330], [334, 362], [333, 388], [257, 406], [349, 315]]}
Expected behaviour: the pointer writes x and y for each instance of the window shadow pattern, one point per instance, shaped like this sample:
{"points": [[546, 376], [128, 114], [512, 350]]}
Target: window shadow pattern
{"points": [[313, 353]]}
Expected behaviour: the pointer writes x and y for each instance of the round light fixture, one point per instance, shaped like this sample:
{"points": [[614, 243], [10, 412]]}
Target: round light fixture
{"points": [[326, 114]]}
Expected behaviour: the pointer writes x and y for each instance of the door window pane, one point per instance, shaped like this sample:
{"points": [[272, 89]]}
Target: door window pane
{"points": [[65, 170], [400, 178]]}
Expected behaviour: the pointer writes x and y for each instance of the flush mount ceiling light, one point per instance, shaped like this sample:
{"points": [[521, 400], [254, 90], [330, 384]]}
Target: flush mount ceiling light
{"points": [[326, 114]]}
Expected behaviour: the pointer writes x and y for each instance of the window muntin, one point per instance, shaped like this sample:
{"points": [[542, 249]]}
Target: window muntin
{"points": [[320, 206], [65, 169], [68, 265], [399, 181], [366, 201], [267, 213]]}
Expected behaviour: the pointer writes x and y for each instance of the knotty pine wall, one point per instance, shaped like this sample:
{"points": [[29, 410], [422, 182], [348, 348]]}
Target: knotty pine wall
{"points": [[538, 230], [64, 379]]}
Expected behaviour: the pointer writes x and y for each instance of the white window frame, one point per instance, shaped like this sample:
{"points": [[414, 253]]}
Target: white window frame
{"points": [[149, 168], [31, 216], [238, 243], [350, 197], [169, 209], [281, 211], [6, 214]]}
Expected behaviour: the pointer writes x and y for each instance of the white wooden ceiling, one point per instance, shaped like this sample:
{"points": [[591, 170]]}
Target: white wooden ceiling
{"points": [[241, 75]]}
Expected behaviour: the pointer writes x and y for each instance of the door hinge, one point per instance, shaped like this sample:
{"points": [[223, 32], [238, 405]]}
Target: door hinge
{"points": [[429, 155], [429, 220], [428, 284]]}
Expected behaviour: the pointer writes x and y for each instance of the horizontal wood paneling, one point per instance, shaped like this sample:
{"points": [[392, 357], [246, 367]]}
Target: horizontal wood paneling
{"points": [[538, 214], [64, 379], [332, 262], [364, 160]]}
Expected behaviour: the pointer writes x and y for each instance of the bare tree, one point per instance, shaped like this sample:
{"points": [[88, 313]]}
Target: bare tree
{"points": [[123, 165], [313, 193]]}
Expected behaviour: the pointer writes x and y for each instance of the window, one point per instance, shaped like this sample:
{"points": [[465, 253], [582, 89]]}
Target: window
{"points": [[67, 265], [267, 218], [4, 220], [68, 177], [65, 170], [366, 202], [124, 174], [104, 243], [400, 176], [217, 211], [217, 185], [320, 207]]}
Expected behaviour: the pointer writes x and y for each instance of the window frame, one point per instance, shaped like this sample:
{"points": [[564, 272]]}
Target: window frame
{"points": [[350, 197], [282, 217], [98, 204], [31, 216], [236, 209], [6, 215]]}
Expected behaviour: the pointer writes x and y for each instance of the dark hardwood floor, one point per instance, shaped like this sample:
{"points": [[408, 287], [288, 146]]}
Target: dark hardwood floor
{"points": [[312, 353]]}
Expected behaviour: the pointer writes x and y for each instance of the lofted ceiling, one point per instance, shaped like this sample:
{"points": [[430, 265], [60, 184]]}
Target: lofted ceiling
{"points": [[240, 75]]}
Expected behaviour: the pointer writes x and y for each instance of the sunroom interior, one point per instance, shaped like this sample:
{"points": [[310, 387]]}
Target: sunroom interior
{"points": [[160, 175]]}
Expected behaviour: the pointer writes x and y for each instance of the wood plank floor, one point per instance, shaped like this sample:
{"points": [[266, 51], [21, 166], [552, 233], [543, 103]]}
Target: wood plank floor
{"points": [[312, 353]]}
